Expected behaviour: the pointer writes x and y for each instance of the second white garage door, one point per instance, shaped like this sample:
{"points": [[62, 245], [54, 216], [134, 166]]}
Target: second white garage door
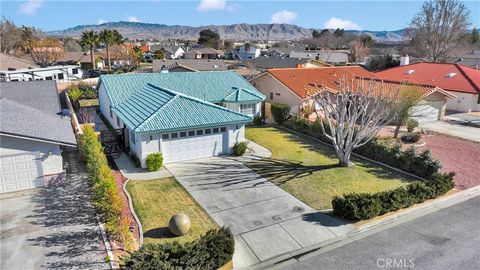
{"points": [[427, 112], [19, 172], [184, 146]]}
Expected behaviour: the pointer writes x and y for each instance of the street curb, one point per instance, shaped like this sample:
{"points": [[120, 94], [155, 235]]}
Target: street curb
{"points": [[369, 229], [108, 248], [130, 204]]}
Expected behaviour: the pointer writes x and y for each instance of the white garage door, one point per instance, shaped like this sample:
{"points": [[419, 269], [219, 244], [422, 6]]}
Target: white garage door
{"points": [[20, 172], [193, 144], [426, 112]]}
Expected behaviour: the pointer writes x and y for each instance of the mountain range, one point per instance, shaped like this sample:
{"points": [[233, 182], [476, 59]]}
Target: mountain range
{"points": [[242, 31]]}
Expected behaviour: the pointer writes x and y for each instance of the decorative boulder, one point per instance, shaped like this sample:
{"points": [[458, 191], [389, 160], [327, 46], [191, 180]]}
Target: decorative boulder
{"points": [[179, 224]]}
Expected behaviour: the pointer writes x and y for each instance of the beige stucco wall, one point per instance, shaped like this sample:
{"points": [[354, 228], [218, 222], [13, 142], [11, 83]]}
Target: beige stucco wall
{"points": [[463, 103], [281, 94]]}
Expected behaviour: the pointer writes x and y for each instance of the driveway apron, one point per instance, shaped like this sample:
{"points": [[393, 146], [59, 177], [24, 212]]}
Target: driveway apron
{"points": [[266, 220], [52, 228]]}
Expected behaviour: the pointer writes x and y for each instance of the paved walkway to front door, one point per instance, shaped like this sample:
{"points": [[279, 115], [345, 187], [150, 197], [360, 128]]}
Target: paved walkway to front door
{"points": [[266, 220]]}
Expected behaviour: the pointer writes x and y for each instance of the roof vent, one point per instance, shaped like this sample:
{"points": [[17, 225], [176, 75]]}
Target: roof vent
{"points": [[451, 74], [409, 72], [215, 66]]}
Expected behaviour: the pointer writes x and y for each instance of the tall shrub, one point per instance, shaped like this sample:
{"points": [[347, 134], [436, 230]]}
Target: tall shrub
{"points": [[105, 192], [280, 112]]}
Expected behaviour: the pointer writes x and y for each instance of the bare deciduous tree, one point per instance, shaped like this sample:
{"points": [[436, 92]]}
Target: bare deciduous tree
{"points": [[47, 51], [355, 113], [358, 49], [438, 28]]}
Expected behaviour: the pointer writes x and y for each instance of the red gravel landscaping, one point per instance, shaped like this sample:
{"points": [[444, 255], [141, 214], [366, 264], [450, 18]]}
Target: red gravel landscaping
{"points": [[120, 179], [460, 156]]}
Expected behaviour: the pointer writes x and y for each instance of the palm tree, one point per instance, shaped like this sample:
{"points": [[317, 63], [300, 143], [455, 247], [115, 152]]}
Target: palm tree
{"points": [[110, 37], [90, 39]]}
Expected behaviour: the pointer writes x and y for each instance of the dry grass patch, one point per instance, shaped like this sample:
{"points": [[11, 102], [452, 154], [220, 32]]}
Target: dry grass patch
{"points": [[156, 201]]}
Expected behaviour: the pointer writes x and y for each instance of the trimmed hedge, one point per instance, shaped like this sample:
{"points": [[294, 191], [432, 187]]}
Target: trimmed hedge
{"points": [[154, 161], [105, 193], [359, 206], [239, 148], [211, 251], [257, 120], [280, 112]]}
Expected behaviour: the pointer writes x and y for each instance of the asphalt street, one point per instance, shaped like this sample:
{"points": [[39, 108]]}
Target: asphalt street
{"points": [[446, 239]]}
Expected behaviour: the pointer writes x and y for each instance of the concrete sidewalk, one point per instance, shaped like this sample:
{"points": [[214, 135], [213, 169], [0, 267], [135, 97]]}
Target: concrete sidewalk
{"points": [[130, 171], [266, 220]]}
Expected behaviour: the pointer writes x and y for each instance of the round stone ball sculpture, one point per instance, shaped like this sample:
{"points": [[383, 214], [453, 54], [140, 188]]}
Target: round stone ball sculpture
{"points": [[179, 224]]}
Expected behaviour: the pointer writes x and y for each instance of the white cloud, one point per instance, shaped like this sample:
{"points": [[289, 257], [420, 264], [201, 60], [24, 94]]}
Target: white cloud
{"points": [[335, 23], [102, 21], [30, 7], [132, 19], [284, 16], [207, 5]]}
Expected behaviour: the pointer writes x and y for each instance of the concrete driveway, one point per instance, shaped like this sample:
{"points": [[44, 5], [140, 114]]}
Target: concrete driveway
{"points": [[51, 228], [266, 220], [452, 128]]}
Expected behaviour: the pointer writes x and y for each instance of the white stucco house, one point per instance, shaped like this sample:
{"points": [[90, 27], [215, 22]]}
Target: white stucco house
{"points": [[459, 80], [248, 51], [32, 135], [183, 115]]}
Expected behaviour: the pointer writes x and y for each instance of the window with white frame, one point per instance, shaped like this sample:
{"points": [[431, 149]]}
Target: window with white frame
{"points": [[247, 108]]}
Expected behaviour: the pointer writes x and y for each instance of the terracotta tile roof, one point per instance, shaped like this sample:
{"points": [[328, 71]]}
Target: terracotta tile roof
{"points": [[450, 77], [304, 82]]}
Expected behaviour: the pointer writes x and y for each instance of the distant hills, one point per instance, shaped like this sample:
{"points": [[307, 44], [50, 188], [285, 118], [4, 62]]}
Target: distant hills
{"points": [[242, 31]]}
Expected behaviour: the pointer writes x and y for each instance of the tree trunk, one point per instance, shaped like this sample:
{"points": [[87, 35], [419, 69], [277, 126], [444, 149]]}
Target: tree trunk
{"points": [[92, 58], [108, 57], [397, 130]]}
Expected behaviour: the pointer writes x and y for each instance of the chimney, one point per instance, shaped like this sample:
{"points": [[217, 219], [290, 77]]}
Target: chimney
{"points": [[404, 60]]}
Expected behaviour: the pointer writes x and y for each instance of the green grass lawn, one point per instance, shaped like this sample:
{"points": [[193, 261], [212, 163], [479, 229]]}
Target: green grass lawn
{"points": [[88, 102], [156, 201], [309, 170]]}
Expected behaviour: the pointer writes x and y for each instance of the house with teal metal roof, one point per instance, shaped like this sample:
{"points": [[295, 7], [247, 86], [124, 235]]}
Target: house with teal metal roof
{"points": [[183, 115]]}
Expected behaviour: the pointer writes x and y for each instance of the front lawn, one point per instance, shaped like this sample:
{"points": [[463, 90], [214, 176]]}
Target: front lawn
{"points": [[309, 170], [156, 201]]}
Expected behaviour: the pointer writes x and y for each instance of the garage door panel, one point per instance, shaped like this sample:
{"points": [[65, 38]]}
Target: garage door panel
{"points": [[179, 149], [19, 172]]}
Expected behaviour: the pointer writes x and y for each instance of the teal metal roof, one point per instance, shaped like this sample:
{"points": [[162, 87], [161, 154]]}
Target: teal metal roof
{"points": [[152, 108], [212, 86], [243, 95]]}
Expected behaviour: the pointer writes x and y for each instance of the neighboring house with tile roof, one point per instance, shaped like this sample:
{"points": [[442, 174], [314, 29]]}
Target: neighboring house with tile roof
{"points": [[189, 65], [184, 115], [330, 57], [462, 81], [298, 87], [202, 52], [10, 62], [84, 60], [33, 135]]}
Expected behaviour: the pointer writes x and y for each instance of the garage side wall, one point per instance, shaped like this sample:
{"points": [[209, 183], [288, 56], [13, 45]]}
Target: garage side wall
{"points": [[464, 102]]}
